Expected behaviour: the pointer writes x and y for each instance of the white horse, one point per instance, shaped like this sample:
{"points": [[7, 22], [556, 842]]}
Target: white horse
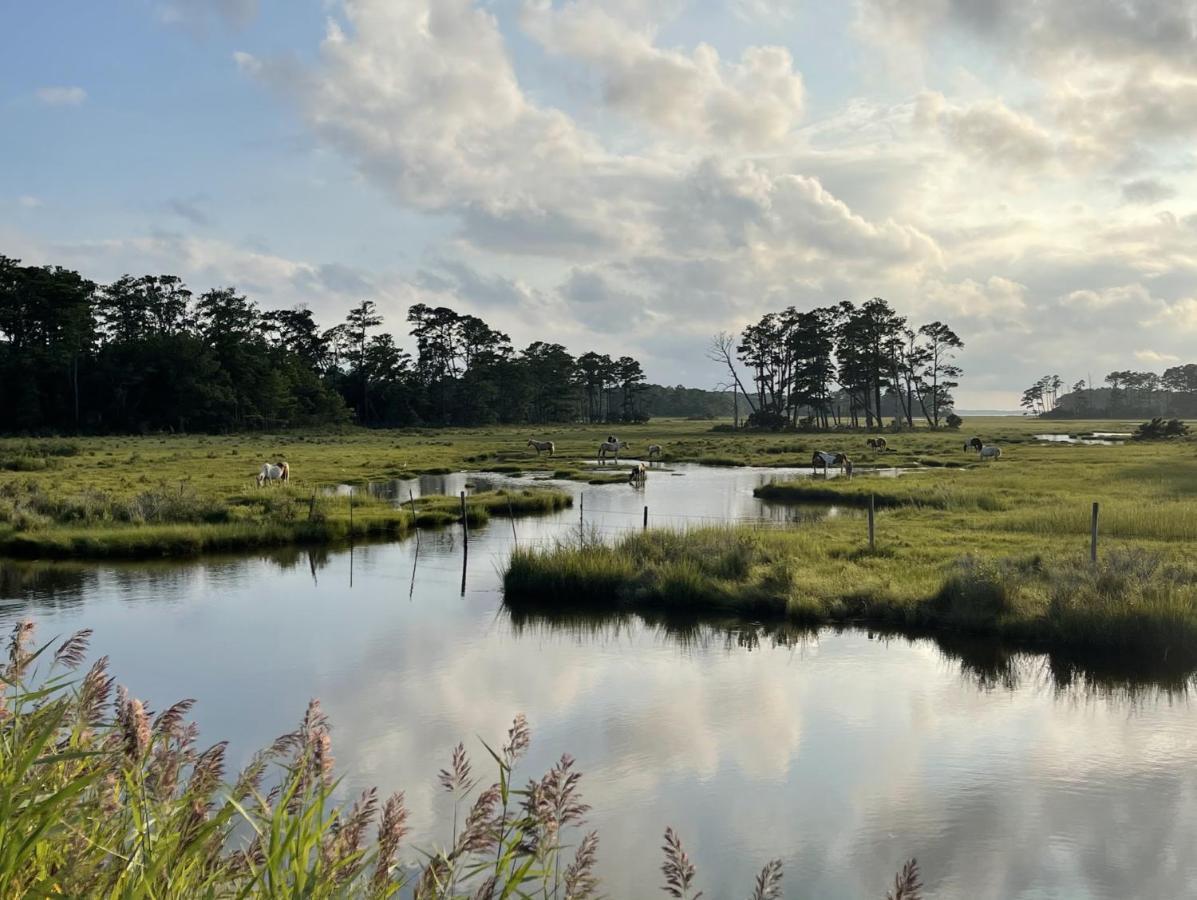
{"points": [[639, 474], [281, 472], [654, 450], [991, 452], [543, 445], [826, 460], [612, 447]]}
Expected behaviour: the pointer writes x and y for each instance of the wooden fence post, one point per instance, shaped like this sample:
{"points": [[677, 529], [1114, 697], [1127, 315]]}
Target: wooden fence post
{"points": [[414, 527], [465, 533], [872, 527], [511, 515], [646, 518], [1093, 535], [581, 516]]}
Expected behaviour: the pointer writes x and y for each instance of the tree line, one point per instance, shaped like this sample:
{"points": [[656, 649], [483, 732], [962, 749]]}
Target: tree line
{"points": [[1122, 393], [145, 354], [842, 365]]}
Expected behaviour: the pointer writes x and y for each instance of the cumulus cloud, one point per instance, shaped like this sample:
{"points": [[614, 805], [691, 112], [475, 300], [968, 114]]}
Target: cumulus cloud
{"points": [[755, 102], [989, 131], [61, 95]]}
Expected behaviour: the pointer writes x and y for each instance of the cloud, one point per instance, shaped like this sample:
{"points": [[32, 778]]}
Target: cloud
{"points": [[200, 15], [988, 131], [188, 209], [28, 201], [1147, 191], [753, 103], [765, 10], [61, 95]]}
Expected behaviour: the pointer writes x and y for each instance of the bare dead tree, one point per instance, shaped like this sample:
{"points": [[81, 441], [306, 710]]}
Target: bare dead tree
{"points": [[722, 351]]}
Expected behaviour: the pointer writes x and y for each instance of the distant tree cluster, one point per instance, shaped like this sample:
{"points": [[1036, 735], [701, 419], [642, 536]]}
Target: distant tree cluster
{"points": [[1123, 393], [843, 365], [145, 354]]}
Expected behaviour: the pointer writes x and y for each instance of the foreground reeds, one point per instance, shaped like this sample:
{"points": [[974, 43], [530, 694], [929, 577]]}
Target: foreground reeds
{"points": [[101, 797], [1132, 602]]}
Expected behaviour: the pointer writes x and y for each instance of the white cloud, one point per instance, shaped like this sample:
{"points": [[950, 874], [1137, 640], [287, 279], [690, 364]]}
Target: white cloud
{"points": [[755, 102], [28, 201], [61, 95]]}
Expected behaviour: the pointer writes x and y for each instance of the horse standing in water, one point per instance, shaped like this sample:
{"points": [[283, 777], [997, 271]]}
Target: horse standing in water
{"points": [[280, 472], [826, 460], [543, 445], [638, 475]]}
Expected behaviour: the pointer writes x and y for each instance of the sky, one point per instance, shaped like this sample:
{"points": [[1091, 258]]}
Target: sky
{"points": [[631, 176]]}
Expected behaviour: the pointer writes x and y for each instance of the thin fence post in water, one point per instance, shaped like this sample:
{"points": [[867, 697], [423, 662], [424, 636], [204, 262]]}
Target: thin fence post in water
{"points": [[465, 533], [351, 513], [414, 527], [511, 515], [872, 524], [1093, 536], [646, 518], [581, 514]]}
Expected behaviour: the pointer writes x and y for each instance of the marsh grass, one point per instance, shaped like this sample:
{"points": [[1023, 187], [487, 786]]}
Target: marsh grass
{"points": [[179, 521], [102, 797], [1133, 601]]}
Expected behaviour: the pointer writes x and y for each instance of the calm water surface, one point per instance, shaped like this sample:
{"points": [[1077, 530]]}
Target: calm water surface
{"points": [[841, 752]]}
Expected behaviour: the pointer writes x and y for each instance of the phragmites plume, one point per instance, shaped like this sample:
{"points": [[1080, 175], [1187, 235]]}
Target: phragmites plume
{"points": [[94, 691], [456, 779], [907, 885], [345, 839], [519, 737], [71, 652], [134, 724], [580, 882], [678, 870], [480, 833], [768, 882], [486, 890], [560, 788], [19, 654], [169, 722], [391, 831], [317, 742]]}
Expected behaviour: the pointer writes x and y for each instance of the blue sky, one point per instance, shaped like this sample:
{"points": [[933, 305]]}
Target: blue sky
{"points": [[631, 176]]}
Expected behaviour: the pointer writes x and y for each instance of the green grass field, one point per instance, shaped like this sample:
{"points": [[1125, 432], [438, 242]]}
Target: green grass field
{"points": [[173, 495], [997, 547]]}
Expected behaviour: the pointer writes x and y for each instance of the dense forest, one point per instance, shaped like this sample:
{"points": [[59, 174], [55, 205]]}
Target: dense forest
{"points": [[843, 365], [145, 354], [1123, 393]]}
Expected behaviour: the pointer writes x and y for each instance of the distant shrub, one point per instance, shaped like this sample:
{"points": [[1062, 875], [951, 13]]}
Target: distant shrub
{"points": [[954, 421], [1160, 429]]}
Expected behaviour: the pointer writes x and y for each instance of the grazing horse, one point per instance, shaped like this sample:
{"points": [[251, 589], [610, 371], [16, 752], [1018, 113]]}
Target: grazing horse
{"points": [[638, 475], [974, 444], [826, 460], [991, 452], [280, 472], [612, 447], [654, 450], [876, 443], [543, 445]]}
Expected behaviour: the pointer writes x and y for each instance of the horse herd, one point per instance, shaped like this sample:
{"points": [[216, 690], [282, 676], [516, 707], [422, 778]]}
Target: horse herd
{"points": [[281, 472]]}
